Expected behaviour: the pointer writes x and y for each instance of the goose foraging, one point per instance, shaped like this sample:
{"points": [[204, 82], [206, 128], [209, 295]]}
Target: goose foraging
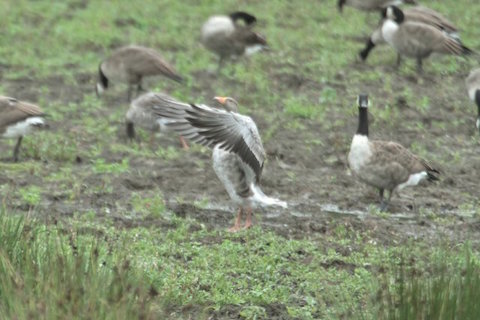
{"points": [[385, 165], [227, 37], [238, 154], [142, 113], [473, 86], [415, 14], [130, 65], [417, 40], [17, 119]]}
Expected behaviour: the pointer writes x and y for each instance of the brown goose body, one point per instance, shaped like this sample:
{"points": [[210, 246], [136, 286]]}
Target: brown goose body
{"points": [[413, 14], [130, 65], [417, 40], [227, 37], [472, 82], [238, 155], [17, 119], [371, 5], [142, 113], [384, 165]]}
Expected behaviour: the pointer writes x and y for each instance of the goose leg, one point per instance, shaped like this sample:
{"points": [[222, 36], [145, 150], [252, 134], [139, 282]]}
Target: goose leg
{"points": [[237, 225], [383, 204], [130, 130], [139, 87], [248, 222], [419, 65], [220, 64], [129, 93], [17, 148], [184, 143], [399, 60]]}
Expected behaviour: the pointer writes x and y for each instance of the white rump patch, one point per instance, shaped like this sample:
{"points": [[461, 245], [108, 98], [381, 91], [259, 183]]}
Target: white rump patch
{"points": [[100, 88], [478, 123], [254, 49], [413, 180], [471, 93], [23, 127]]}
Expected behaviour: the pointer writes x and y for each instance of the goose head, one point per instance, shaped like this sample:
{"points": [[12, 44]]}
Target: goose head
{"points": [[362, 101], [393, 13], [227, 103]]}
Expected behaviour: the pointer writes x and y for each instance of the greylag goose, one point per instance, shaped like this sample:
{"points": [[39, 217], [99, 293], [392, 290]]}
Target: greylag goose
{"points": [[238, 154], [142, 113], [130, 65], [227, 37], [371, 5], [415, 14], [417, 40], [17, 119], [473, 86], [385, 165]]}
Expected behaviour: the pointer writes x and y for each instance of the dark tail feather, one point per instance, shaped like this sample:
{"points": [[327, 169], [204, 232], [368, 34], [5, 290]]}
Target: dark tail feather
{"points": [[432, 175], [130, 130], [177, 78], [467, 51]]}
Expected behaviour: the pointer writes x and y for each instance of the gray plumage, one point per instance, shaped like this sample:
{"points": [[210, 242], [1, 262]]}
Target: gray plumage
{"points": [[385, 165], [142, 113], [17, 119], [413, 14], [130, 65], [371, 5], [417, 40], [472, 82], [238, 154], [227, 37]]}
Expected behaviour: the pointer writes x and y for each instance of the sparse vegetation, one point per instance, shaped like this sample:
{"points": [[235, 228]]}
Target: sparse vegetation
{"points": [[96, 226]]}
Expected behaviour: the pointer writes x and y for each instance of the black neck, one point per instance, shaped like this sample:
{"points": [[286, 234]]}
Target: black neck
{"points": [[103, 78], [477, 100], [340, 4], [362, 121], [364, 53]]}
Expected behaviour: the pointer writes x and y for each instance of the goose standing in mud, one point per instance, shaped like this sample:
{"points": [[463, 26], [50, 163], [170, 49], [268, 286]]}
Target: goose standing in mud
{"points": [[130, 65], [227, 37], [415, 14], [417, 40], [17, 119], [385, 165], [142, 113], [473, 86], [238, 154]]}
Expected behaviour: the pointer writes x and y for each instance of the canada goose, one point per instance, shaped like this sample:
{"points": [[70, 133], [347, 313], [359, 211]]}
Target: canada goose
{"points": [[227, 37], [130, 65], [142, 113], [371, 5], [238, 154], [18, 118], [473, 86], [384, 165], [415, 39], [416, 14]]}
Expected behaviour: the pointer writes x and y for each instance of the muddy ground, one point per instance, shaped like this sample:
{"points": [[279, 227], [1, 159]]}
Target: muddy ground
{"points": [[311, 176]]}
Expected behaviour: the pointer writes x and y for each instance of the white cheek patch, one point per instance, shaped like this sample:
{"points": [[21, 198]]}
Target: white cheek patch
{"points": [[23, 127]]}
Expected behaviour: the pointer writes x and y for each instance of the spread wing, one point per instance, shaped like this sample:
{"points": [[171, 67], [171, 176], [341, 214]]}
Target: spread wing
{"points": [[214, 127], [13, 110]]}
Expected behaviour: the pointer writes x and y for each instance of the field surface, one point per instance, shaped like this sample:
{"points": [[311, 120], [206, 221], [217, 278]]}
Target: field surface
{"points": [[164, 209]]}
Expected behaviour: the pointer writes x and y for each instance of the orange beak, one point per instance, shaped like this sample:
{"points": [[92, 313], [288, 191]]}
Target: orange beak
{"points": [[221, 100]]}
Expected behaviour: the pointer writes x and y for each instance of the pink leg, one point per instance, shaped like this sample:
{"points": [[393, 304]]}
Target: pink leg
{"points": [[184, 143], [248, 222], [237, 225]]}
